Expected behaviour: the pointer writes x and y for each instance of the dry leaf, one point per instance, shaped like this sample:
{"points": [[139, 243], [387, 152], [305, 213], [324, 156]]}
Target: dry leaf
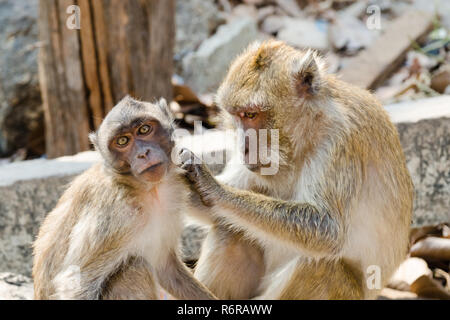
{"points": [[391, 294], [429, 288], [441, 274], [417, 234], [432, 248], [408, 272], [184, 94]]}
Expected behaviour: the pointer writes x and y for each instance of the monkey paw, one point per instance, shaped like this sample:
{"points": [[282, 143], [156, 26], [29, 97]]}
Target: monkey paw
{"points": [[188, 159], [201, 178]]}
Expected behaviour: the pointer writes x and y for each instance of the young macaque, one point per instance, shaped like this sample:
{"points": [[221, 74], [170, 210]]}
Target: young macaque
{"points": [[114, 233]]}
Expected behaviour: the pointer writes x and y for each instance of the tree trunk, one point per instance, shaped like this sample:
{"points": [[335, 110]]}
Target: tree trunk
{"points": [[122, 47]]}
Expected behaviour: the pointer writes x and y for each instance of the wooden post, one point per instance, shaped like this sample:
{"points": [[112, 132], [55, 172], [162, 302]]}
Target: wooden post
{"points": [[122, 47]]}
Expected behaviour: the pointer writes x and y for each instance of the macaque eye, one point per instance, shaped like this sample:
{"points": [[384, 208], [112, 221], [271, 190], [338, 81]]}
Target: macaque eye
{"points": [[145, 129], [122, 141], [250, 115]]}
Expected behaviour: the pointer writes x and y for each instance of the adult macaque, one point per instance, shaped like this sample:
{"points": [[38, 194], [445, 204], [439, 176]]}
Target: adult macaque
{"points": [[340, 204], [114, 233]]}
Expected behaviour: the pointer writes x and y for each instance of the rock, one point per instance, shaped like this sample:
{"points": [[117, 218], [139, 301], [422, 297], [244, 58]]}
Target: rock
{"points": [[196, 20], [357, 9], [255, 2], [204, 69], [264, 12], [349, 34], [332, 62], [304, 33], [373, 66], [21, 114], [418, 58], [441, 7], [273, 23], [291, 8], [15, 287], [191, 242], [384, 5], [243, 11]]}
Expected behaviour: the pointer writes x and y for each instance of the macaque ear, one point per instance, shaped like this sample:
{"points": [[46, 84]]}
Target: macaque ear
{"points": [[162, 103], [306, 75], [94, 139]]}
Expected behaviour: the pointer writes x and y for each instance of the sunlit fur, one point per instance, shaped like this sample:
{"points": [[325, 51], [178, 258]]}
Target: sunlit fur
{"points": [[112, 236], [344, 165]]}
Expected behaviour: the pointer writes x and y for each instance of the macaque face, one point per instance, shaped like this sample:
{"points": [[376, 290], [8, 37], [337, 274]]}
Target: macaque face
{"points": [[253, 120], [142, 149]]}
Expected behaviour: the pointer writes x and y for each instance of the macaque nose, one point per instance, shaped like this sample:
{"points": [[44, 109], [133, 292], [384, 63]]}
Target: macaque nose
{"points": [[144, 154]]}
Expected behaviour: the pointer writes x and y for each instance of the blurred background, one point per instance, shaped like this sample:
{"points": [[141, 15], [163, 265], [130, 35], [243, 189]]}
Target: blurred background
{"points": [[65, 63]]}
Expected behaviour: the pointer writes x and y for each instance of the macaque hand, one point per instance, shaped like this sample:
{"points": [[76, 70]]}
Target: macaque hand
{"points": [[201, 178]]}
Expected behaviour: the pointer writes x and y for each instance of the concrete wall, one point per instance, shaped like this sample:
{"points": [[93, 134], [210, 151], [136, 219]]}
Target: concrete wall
{"points": [[424, 129]]}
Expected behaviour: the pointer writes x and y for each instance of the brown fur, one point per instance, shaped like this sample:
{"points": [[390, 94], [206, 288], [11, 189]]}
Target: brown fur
{"points": [[334, 280], [237, 280], [132, 281]]}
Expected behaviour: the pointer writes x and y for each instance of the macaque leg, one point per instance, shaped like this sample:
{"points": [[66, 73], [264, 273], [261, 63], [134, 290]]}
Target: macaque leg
{"points": [[344, 284], [179, 281], [133, 281], [229, 266]]}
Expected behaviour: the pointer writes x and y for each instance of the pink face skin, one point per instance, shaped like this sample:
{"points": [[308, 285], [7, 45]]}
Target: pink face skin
{"points": [[252, 118], [144, 150]]}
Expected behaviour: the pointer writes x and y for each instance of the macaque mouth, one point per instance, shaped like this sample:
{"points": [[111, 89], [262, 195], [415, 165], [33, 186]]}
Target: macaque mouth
{"points": [[151, 168]]}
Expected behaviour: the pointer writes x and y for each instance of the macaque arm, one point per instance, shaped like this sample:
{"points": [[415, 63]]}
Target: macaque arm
{"points": [[175, 277], [303, 224], [299, 223]]}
